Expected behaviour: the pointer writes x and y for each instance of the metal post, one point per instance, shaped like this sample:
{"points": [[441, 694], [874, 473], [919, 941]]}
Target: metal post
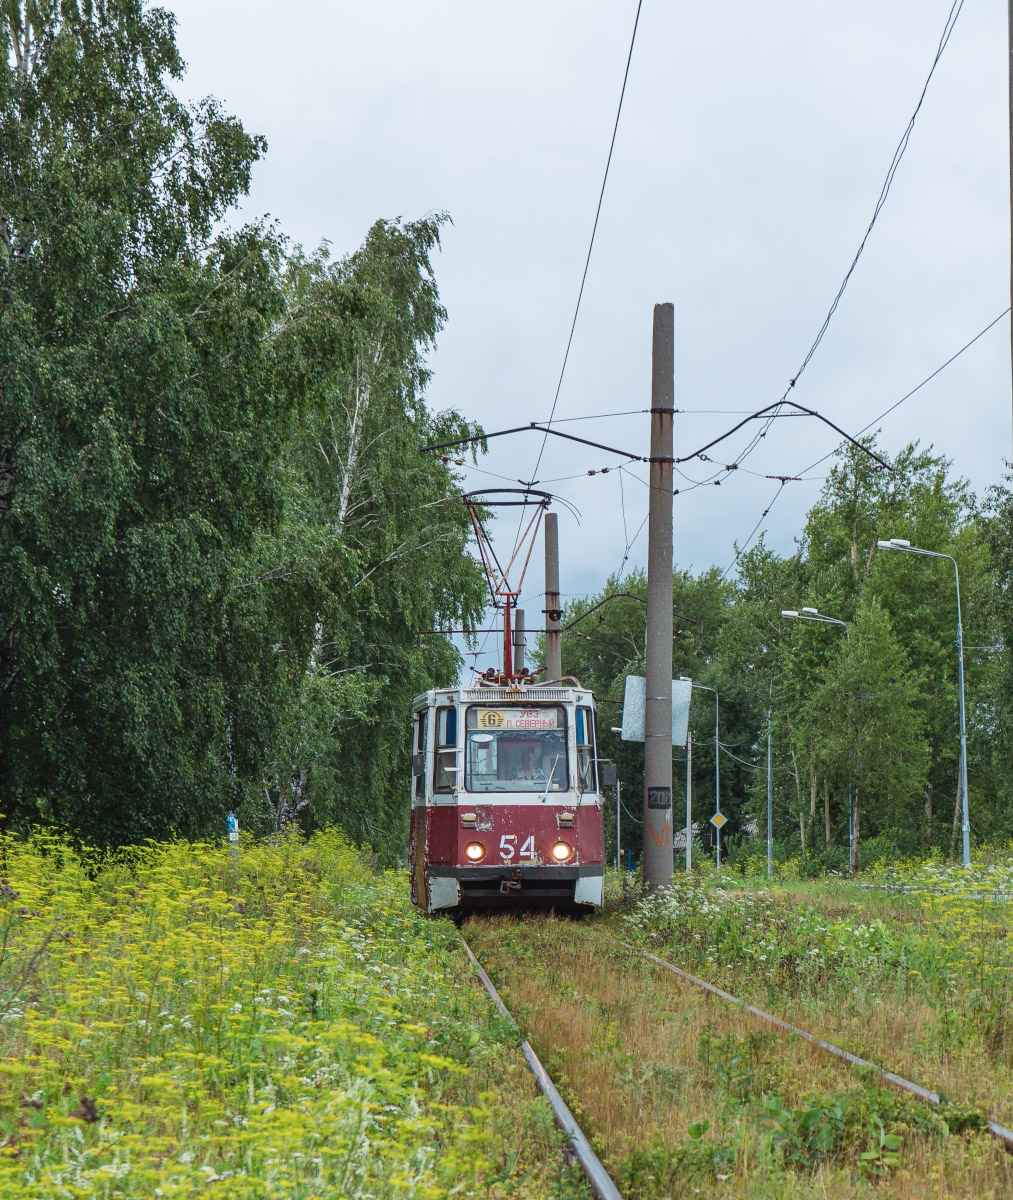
{"points": [[717, 781], [905, 547], [965, 823], [658, 716], [689, 802], [519, 641], [618, 803], [553, 612], [770, 806], [703, 687], [508, 659]]}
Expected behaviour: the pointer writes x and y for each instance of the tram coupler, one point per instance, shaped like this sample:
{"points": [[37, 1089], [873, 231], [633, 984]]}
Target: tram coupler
{"points": [[507, 886]]}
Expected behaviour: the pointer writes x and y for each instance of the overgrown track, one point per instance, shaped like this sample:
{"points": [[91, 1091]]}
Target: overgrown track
{"points": [[629, 1050], [1000, 1131], [597, 1177]]}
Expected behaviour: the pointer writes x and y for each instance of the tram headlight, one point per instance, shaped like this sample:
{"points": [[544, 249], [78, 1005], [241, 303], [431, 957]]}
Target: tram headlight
{"points": [[561, 851], [474, 852]]}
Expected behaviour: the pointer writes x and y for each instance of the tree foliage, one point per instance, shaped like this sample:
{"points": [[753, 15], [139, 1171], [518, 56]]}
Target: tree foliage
{"points": [[867, 717], [217, 534]]}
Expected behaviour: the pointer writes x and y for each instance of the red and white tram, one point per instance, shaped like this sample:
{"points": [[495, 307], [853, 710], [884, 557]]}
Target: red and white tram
{"points": [[506, 802]]}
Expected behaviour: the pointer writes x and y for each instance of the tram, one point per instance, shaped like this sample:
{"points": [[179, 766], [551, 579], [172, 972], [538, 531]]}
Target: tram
{"points": [[506, 802]]}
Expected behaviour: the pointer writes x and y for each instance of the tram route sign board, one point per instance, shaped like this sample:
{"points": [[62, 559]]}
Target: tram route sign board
{"points": [[635, 707], [718, 820], [518, 718]]}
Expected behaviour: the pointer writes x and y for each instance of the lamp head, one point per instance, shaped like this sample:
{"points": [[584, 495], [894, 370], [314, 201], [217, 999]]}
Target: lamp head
{"points": [[788, 612], [812, 612]]}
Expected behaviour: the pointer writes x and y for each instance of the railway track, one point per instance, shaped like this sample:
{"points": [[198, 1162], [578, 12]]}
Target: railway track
{"points": [[598, 1178]]}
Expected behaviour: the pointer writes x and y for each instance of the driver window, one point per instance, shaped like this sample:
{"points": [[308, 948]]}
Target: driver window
{"points": [[420, 750], [446, 750], [585, 751]]}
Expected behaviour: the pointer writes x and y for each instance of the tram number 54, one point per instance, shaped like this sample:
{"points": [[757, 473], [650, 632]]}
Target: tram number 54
{"points": [[508, 847]]}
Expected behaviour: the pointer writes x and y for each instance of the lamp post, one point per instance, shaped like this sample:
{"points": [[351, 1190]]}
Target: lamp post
{"points": [[717, 766], [965, 825], [814, 614], [770, 784]]}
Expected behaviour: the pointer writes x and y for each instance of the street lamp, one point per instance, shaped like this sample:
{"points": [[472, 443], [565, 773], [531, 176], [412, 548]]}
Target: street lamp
{"points": [[814, 614], [717, 767], [905, 546]]}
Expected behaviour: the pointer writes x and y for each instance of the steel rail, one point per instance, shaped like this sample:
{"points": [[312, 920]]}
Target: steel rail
{"points": [[597, 1177], [1000, 1131]]}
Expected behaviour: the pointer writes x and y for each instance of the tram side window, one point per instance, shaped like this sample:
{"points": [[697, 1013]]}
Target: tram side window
{"points": [[446, 750], [585, 751], [421, 724]]}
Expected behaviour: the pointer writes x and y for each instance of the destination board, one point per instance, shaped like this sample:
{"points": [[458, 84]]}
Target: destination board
{"points": [[518, 718]]}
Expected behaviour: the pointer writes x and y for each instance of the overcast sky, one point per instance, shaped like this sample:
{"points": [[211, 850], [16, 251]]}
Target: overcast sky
{"points": [[753, 143]]}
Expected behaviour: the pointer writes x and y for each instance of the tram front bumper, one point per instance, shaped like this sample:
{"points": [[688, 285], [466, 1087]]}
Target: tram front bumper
{"points": [[502, 883]]}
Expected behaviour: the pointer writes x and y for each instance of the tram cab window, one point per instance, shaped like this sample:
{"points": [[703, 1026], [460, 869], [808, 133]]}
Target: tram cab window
{"points": [[421, 725], [586, 774], [446, 750], [516, 750]]}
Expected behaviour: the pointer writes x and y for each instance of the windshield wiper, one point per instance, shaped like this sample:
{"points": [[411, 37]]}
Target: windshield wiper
{"points": [[552, 775]]}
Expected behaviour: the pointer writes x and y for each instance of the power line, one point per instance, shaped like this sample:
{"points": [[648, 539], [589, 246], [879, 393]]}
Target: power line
{"points": [[740, 550], [895, 162], [891, 173], [812, 466], [927, 379], [594, 230]]}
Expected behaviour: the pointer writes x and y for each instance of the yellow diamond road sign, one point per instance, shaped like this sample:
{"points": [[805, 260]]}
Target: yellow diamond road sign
{"points": [[718, 820]]}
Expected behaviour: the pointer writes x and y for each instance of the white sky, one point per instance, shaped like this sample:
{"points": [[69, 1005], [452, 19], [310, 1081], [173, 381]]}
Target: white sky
{"points": [[753, 143]]}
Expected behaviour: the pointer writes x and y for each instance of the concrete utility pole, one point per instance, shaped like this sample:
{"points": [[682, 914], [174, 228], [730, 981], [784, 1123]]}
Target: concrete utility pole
{"points": [[658, 849], [519, 641], [553, 612]]}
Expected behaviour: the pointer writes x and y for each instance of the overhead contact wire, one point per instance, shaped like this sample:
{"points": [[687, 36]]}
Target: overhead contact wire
{"points": [[594, 230], [891, 173]]}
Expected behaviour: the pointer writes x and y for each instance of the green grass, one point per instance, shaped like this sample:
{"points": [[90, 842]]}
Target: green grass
{"points": [[174, 1023]]}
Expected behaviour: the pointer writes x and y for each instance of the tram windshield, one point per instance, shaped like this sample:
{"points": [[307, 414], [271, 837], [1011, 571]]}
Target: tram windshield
{"points": [[516, 749]]}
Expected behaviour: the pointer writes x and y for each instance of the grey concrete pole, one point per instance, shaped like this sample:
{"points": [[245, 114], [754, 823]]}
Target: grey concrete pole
{"points": [[518, 641], [553, 649], [658, 849]]}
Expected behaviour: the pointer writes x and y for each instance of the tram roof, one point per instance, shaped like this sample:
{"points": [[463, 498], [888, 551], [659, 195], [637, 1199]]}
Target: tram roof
{"points": [[500, 695]]}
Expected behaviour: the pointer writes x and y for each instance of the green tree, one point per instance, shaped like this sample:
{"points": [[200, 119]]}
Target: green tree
{"points": [[218, 536], [135, 358], [867, 725]]}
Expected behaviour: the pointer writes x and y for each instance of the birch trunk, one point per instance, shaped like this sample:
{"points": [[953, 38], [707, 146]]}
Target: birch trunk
{"points": [[826, 810]]}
